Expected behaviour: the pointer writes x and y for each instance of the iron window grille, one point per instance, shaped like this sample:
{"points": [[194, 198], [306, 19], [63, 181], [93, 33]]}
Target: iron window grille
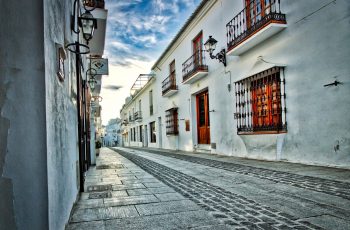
{"points": [[171, 120], [261, 103]]}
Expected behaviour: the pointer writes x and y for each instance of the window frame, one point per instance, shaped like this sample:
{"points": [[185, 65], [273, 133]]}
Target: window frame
{"points": [[260, 108], [171, 121], [152, 129]]}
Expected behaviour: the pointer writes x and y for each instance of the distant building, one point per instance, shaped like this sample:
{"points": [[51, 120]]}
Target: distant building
{"points": [[112, 132], [283, 94]]}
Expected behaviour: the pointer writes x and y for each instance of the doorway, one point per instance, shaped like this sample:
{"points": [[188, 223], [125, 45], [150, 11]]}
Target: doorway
{"points": [[203, 121], [160, 131]]}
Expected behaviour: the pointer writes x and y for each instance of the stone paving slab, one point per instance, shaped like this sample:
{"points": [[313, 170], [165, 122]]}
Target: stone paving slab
{"points": [[166, 207], [138, 192], [128, 186], [90, 225], [130, 200], [169, 196], [92, 214]]}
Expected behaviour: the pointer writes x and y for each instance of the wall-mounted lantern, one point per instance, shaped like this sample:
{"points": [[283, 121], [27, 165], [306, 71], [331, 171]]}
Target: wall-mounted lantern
{"points": [[88, 24], [210, 46], [92, 83]]}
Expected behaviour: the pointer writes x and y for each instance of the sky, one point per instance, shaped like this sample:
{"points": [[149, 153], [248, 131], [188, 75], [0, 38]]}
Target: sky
{"points": [[138, 31]]}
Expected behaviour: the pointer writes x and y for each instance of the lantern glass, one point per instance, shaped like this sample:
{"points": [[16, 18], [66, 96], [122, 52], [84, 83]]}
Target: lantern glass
{"points": [[210, 44], [92, 83], [88, 24]]}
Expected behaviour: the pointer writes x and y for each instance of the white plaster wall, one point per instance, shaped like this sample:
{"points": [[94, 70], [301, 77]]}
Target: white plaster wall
{"points": [[61, 116], [23, 171]]}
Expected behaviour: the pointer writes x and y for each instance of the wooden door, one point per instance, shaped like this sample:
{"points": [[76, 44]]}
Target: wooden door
{"points": [[172, 74], [197, 48], [255, 10], [203, 121]]}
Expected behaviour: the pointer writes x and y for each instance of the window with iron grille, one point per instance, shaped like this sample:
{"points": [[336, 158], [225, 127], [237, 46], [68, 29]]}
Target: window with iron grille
{"points": [[260, 103], [152, 130], [171, 120]]}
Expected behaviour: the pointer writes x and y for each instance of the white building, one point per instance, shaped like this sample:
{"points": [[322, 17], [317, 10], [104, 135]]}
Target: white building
{"points": [[112, 136], [278, 98], [43, 146]]}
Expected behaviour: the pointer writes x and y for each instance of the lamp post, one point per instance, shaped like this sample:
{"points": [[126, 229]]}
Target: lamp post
{"points": [[210, 46], [88, 24]]}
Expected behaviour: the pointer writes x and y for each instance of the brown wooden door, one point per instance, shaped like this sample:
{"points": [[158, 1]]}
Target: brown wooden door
{"points": [[203, 121], [172, 74], [197, 48]]}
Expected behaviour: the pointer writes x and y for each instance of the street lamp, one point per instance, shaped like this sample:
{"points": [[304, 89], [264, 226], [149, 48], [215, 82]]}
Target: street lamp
{"points": [[92, 83], [88, 24], [210, 46]]}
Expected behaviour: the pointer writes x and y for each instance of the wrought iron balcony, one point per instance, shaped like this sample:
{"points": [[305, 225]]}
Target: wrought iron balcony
{"points": [[138, 116], [261, 17], [194, 68], [169, 86]]}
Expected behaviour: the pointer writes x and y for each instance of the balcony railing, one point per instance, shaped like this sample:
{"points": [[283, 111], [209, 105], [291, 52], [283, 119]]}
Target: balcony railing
{"points": [[169, 83], [138, 116], [131, 118], [95, 3], [252, 19], [193, 65]]}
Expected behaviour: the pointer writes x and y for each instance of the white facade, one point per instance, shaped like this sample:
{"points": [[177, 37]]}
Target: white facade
{"points": [[312, 50], [39, 159], [112, 135]]}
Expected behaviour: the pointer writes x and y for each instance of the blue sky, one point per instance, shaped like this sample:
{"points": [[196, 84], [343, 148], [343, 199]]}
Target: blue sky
{"points": [[138, 31], [141, 29]]}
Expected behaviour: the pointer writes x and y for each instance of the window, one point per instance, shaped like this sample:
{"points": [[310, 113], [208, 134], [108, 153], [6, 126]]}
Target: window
{"points": [[140, 132], [171, 120], [134, 132], [197, 44], [151, 102], [260, 103], [152, 129]]}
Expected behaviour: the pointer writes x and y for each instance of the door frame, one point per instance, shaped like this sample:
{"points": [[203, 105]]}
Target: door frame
{"points": [[207, 115]]}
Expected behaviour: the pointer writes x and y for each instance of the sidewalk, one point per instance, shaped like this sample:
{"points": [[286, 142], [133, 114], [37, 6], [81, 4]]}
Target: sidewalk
{"points": [[331, 173], [143, 188], [120, 195]]}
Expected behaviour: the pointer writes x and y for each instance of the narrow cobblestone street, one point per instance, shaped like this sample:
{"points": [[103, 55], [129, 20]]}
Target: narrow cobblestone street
{"points": [[160, 189]]}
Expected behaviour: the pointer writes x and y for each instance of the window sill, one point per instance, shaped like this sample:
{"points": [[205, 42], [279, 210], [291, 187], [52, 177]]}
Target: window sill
{"points": [[261, 132]]}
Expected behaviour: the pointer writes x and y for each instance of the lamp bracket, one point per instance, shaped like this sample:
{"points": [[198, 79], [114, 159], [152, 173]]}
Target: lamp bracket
{"points": [[221, 56], [78, 46]]}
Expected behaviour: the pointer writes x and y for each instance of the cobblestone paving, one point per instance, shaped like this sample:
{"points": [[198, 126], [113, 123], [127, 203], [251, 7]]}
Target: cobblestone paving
{"points": [[331, 187], [232, 209]]}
